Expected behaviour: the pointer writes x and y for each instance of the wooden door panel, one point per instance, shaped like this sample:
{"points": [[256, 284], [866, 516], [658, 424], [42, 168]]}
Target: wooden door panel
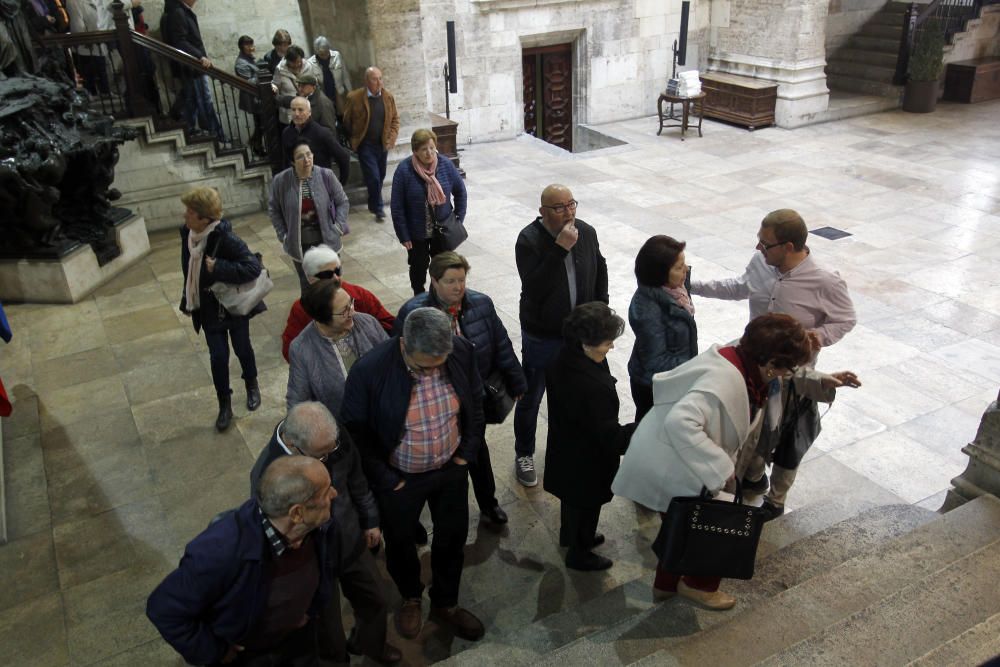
{"points": [[528, 64], [557, 99]]}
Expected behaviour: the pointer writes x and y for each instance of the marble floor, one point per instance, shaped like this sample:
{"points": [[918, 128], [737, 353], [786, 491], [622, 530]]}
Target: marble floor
{"points": [[112, 463]]}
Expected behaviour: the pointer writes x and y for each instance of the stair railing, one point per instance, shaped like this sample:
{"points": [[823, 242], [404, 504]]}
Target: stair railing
{"points": [[948, 16], [130, 75]]}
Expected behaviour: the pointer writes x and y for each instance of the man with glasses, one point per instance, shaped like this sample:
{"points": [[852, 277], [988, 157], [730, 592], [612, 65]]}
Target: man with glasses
{"points": [[414, 407], [323, 263], [250, 587], [560, 264], [310, 430], [782, 277]]}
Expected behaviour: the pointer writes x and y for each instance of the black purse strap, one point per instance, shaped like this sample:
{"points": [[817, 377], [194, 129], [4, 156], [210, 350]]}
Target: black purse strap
{"points": [[737, 496]]}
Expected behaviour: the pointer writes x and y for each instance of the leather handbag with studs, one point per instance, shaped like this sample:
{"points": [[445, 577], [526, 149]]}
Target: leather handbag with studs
{"points": [[701, 536]]}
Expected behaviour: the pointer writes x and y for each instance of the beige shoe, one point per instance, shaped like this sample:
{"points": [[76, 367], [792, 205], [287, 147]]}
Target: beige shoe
{"points": [[716, 600], [661, 595]]}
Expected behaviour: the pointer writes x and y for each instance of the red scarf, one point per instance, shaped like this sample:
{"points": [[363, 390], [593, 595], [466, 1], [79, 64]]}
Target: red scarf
{"points": [[756, 387]]}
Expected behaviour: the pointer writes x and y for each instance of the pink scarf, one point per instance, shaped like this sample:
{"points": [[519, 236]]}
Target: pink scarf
{"points": [[682, 297], [435, 194], [196, 245]]}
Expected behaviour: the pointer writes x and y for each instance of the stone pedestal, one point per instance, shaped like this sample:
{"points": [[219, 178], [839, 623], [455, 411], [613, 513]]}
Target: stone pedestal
{"points": [[982, 476], [74, 275]]}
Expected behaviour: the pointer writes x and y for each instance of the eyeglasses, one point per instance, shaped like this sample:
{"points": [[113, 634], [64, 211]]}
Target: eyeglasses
{"points": [[346, 311], [767, 246], [324, 457], [327, 275], [559, 209], [303, 156]]}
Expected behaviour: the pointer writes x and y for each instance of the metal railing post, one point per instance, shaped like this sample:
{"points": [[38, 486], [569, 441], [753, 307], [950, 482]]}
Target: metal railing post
{"points": [[135, 101], [905, 44]]}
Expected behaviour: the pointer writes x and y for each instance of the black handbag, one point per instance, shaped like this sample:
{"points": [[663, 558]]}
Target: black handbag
{"points": [[450, 233], [701, 536], [498, 402]]}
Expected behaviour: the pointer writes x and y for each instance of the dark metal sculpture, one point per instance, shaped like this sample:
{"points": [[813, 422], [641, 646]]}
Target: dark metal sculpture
{"points": [[57, 162]]}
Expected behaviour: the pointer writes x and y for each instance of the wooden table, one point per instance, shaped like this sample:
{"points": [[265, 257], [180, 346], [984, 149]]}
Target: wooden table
{"points": [[695, 101]]}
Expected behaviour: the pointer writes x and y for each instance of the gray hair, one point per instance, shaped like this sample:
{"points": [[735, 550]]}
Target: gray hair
{"points": [[285, 483], [317, 257], [428, 331], [308, 426], [321, 43]]}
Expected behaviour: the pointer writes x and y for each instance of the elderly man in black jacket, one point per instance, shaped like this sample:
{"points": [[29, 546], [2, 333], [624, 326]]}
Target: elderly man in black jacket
{"points": [[413, 405], [310, 430], [560, 264], [326, 150], [179, 28]]}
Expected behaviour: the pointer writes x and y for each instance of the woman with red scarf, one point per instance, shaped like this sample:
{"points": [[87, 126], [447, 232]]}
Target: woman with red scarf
{"points": [[425, 190], [704, 413]]}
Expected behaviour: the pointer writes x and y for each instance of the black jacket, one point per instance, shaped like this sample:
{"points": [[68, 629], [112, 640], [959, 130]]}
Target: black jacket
{"points": [[354, 509], [377, 397], [481, 325], [321, 141], [585, 440], [544, 288], [234, 263], [179, 28]]}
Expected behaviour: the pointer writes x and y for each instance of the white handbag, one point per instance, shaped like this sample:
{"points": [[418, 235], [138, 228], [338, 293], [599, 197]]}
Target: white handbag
{"points": [[241, 299]]}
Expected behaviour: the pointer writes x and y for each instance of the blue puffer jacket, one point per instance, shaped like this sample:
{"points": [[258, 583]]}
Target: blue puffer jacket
{"points": [[409, 198], [665, 334], [481, 326]]}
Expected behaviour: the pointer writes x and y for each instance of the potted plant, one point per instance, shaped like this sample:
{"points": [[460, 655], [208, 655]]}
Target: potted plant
{"points": [[926, 64]]}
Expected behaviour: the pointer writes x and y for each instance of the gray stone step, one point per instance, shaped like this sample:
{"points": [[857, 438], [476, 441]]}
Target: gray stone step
{"points": [[882, 30], [888, 18], [844, 104], [932, 611], [878, 58], [862, 86], [778, 569], [809, 608], [860, 70], [882, 44], [973, 647]]}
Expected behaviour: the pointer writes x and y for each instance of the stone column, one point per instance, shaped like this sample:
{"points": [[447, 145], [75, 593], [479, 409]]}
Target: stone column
{"points": [[982, 476], [778, 40]]}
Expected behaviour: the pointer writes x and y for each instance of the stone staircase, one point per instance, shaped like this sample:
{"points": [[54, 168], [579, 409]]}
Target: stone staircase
{"points": [[866, 64], [892, 585]]}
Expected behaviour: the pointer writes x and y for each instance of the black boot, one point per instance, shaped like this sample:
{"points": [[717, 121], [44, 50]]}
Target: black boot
{"points": [[225, 412], [253, 395]]}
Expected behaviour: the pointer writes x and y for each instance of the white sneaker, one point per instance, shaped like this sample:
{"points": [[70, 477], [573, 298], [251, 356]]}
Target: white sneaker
{"points": [[524, 470]]}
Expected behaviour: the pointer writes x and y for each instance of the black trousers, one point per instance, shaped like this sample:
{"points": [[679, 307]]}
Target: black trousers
{"points": [[361, 584], [577, 528], [642, 396], [298, 649], [445, 491], [237, 330], [481, 475], [419, 258]]}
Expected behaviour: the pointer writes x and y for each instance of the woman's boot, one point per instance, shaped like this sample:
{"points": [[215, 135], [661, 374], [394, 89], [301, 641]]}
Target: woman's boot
{"points": [[225, 412], [253, 395]]}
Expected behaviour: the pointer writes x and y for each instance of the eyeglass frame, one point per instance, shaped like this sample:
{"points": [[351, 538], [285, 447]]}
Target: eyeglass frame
{"points": [[321, 459], [346, 311], [329, 273], [559, 209], [767, 246]]}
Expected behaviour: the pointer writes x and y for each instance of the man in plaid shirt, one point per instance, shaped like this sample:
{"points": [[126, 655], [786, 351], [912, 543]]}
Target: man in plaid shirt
{"points": [[413, 405]]}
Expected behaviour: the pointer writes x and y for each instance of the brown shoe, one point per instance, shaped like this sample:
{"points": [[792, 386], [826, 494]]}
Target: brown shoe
{"points": [[462, 622], [409, 620], [716, 600]]}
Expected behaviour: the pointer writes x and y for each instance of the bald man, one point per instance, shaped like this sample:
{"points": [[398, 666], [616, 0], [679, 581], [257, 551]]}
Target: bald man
{"points": [[321, 140], [561, 266], [373, 125]]}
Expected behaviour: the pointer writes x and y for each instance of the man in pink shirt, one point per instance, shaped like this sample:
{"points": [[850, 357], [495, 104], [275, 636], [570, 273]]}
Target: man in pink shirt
{"points": [[783, 278]]}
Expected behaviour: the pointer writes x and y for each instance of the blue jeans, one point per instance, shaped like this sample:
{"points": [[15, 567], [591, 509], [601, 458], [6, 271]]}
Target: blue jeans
{"points": [[537, 354], [237, 330], [373, 162], [197, 106]]}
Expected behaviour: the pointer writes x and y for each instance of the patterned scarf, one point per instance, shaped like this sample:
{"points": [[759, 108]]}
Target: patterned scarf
{"points": [[435, 194], [682, 297]]}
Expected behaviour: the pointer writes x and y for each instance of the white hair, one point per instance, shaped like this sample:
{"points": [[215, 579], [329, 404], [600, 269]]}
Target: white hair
{"points": [[317, 257]]}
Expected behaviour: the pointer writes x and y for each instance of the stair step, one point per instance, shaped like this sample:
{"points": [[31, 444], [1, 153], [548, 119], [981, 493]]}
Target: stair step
{"points": [[862, 56], [809, 608], [887, 18], [882, 31], [895, 7], [861, 71], [933, 611], [844, 104], [862, 86], [975, 646], [880, 44], [645, 632]]}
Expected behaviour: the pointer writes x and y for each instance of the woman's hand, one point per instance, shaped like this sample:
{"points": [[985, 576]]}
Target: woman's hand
{"points": [[210, 264], [372, 537], [407, 244], [841, 379]]}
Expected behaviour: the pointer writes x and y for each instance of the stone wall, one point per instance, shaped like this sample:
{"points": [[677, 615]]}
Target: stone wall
{"points": [[346, 25], [846, 17], [981, 40]]}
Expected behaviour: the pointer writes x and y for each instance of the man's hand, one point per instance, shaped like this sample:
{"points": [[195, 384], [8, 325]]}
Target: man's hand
{"points": [[407, 244], [841, 379], [567, 236], [459, 461], [210, 264], [205, 62], [814, 341], [231, 654], [373, 536]]}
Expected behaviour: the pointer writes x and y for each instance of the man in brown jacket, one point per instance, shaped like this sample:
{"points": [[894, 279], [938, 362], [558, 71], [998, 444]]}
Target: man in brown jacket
{"points": [[373, 125]]}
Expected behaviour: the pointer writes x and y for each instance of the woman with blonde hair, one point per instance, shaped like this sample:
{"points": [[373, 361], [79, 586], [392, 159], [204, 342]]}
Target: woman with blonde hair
{"points": [[211, 252]]}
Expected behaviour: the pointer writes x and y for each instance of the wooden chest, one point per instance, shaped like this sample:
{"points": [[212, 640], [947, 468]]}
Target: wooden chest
{"points": [[973, 80], [739, 99]]}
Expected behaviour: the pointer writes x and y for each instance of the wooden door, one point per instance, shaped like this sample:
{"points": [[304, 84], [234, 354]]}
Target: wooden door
{"points": [[548, 94]]}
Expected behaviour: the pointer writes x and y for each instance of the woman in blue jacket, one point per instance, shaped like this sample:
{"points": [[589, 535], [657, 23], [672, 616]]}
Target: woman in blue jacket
{"points": [[661, 315], [210, 253], [423, 189]]}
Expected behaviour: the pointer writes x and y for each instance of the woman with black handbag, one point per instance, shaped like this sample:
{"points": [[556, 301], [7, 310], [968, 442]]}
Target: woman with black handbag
{"points": [[428, 193], [211, 252], [705, 413], [474, 317]]}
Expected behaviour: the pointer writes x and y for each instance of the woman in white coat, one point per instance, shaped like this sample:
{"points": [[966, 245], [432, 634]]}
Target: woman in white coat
{"points": [[704, 412]]}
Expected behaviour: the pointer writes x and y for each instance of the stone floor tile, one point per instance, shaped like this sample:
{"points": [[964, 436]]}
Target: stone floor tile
{"points": [[73, 369], [175, 374], [190, 506], [139, 323], [199, 454], [59, 340], [140, 296], [155, 652], [24, 476], [944, 431], [166, 344], [974, 357], [136, 276], [24, 419], [63, 407], [33, 634], [27, 569], [176, 415]]}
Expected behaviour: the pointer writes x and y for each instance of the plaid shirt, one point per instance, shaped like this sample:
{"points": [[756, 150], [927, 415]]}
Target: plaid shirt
{"points": [[431, 433]]}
